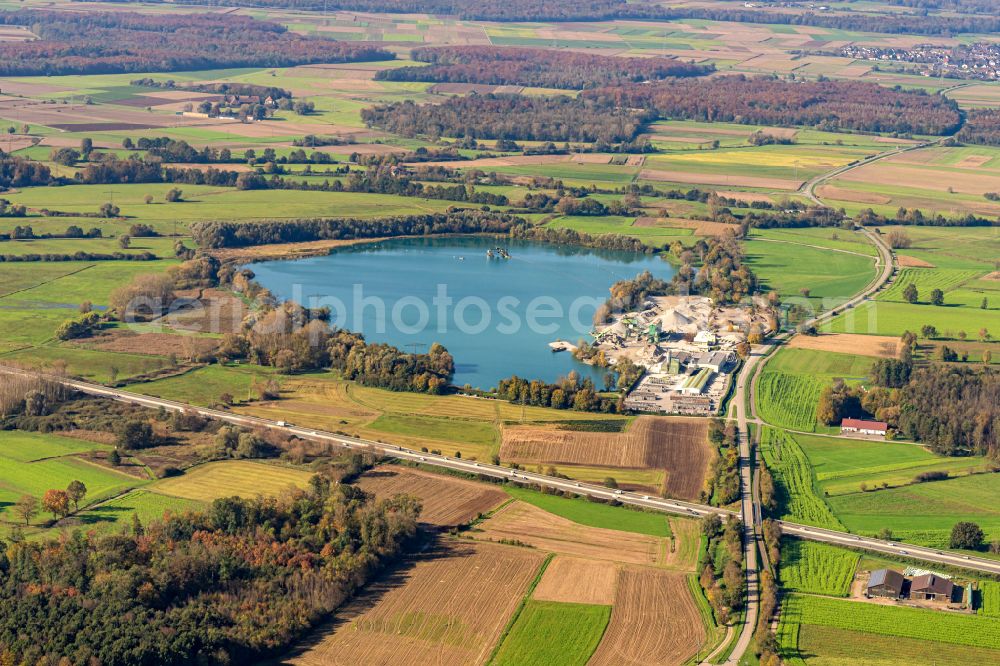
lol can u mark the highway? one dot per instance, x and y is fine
(677, 507)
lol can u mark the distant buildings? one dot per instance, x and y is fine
(860, 426)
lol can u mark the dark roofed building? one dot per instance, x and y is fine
(931, 586)
(885, 583)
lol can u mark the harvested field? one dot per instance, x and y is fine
(87, 117)
(545, 531)
(580, 581)
(745, 197)
(995, 275)
(157, 344)
(728, 180)
(363, 149)
(973, 161)
(677, 445)
(13, 142)
(466, 88)
(856, 196)
(591, 158)
(447, 501)
(449, 607)
(19, 87)
(912, 262)
(883, 346)
(892, 172)
(700, 227)
(654, 621)
(514, 160)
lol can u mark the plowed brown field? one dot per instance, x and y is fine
(883, 346)
(448, 608)
(580, 581)
(446, 501)
(677, 445)
(545, 531)
(654, 622)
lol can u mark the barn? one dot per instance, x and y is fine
(931, 587)
(864, 427)
(885, 583)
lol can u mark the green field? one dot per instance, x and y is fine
(990, 605)
(26, 447)
(798, 498)
(913, 623)
(830, 646)
(551, 632)
(842, 464)
(230, 478)
(790, 384)
(203, 386)
(594, 514)
(453, 433)
(19, 476)
(830, 277)
(925, 513)
(816, 568)
(888, 318)
(148, 506)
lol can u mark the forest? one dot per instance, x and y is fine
(511, 117)
(229, 585)
(601, 10)
(541, 68)
(825, 105)
(982, 127)
(115, 42)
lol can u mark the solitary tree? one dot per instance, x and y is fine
(928, 331)
(910, 293)
(173, 195)
(76, 491)
(937, 297)
(135, 434)
(966, 535)
(26, 507)
(56, 502)
(124, 241)
(114, 457)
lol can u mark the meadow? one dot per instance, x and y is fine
(549, 632)
(816, 568)
(24, 472)
(924, 513)
(788, 268)
(842, 465)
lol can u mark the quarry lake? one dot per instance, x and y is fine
(496, 315)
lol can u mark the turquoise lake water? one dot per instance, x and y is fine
(495, 316)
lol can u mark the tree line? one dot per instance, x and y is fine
(915, 23)
(231, 584)
(221, 233)
(982, 127)
(113, 42)
(825, 105)
(542, 68)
